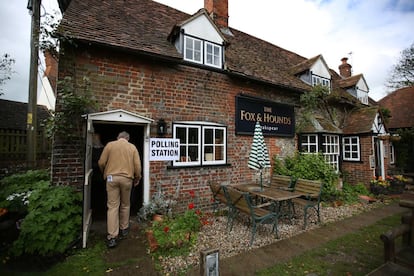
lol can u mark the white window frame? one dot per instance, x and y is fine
(315, 79)
(392, 153)
(330, 150)
(308, 144)
(212, 54)
(351, 147)
(191, 47)
(200, 144)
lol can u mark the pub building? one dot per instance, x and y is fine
(159, 73)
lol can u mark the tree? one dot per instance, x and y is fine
(402, 74)
(6, 71)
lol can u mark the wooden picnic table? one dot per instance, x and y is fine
(270, 195)
(268, 192)
(407, 201)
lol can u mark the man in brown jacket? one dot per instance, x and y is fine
(121, 167)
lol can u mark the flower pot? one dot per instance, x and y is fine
(378, 189)
(152, 242)
(157, 217)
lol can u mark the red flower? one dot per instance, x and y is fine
(166, 229)
(192, 194)
(198, 212)
(191, 206)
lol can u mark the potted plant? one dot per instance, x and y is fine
(378, 186)
(158, 205)
(397, 184)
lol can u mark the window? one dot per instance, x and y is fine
(200, 144)
(362, 95)
(213, 54)
(330, 149)
(193, 49)
(309, 143)
(321, 81)
(202, 52)
(350, 148)
(392, 154)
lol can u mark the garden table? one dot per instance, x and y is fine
(276, 195)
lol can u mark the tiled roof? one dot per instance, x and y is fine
(14, 115)
(360, 120)
(144, 27)
(304, 65)
(349, 82)
(400, 104)
(320, 124)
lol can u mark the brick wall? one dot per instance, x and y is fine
(176, 93)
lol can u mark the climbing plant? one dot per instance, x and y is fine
(315, 100)
(74, 101)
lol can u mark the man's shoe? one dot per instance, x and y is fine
(111, 243)
(124, 232)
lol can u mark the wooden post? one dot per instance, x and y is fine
(34, 6)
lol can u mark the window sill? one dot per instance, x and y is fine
(170, 167)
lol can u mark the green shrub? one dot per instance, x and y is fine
(53, 222)
(312, 167)
(350, 192)
(15, 190)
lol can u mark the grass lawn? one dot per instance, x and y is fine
(354, 254)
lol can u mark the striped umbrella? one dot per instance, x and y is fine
(259, 156)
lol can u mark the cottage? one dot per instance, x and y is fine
(157, 72)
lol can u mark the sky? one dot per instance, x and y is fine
(371, 33)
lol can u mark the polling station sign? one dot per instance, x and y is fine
(164, 149)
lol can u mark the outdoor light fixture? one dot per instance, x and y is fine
(161, 127)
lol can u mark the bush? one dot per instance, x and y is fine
(53, 222)
(312, 167)
(15, 190)
(350, 193)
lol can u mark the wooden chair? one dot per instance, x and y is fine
(283, 182)
(241, 203)
(218, 195)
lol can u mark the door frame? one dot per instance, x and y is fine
(112, 116)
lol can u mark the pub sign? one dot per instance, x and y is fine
(276, 119)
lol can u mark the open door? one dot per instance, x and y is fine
(113, 120)
(87, 210)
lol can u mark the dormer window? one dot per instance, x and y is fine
(362, 95)
(193, 49)
(319, 80)
(202, 51)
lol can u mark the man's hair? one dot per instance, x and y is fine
(124, 135)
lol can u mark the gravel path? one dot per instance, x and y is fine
(216, 235)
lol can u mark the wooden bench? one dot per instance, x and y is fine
(239, 202)
(283, 182)
(218, 195)
(311, 190)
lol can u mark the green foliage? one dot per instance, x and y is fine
(404, 149)
(350, 193)
(312, 167)
(16, 189)
(74, 101)
(402, 75)
(177, 233)
(53, 222)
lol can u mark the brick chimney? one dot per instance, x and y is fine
(345, 69)
(218, 10)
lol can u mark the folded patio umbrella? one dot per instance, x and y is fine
(259, 156)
